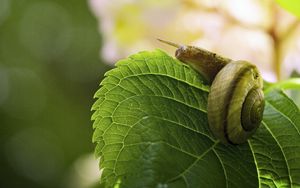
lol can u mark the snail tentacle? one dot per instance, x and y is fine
(235, 101)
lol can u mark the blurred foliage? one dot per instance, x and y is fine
(49, 71)
(291, 6)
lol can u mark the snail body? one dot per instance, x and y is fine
(235, 101)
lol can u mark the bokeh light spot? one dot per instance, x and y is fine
(45, 30)
(84, 172)
(35, 154)
(4, 10)
(27, 94)
(4, 86)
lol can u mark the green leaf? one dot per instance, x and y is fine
(292, 83)
(151, 130)
(293, 6)
(276, 144)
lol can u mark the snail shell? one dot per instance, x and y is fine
(235, 102)
(236, 99)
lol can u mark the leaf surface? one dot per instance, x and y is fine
(276, 144)
(151, 130)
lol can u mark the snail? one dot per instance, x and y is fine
(235, 101)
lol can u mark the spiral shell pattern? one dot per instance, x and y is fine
(236, 102)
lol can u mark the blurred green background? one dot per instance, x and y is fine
(49, 70)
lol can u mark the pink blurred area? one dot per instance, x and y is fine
(255, 30)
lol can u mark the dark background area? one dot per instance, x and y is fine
(49, 70)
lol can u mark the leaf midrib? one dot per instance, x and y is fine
(203, 87)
